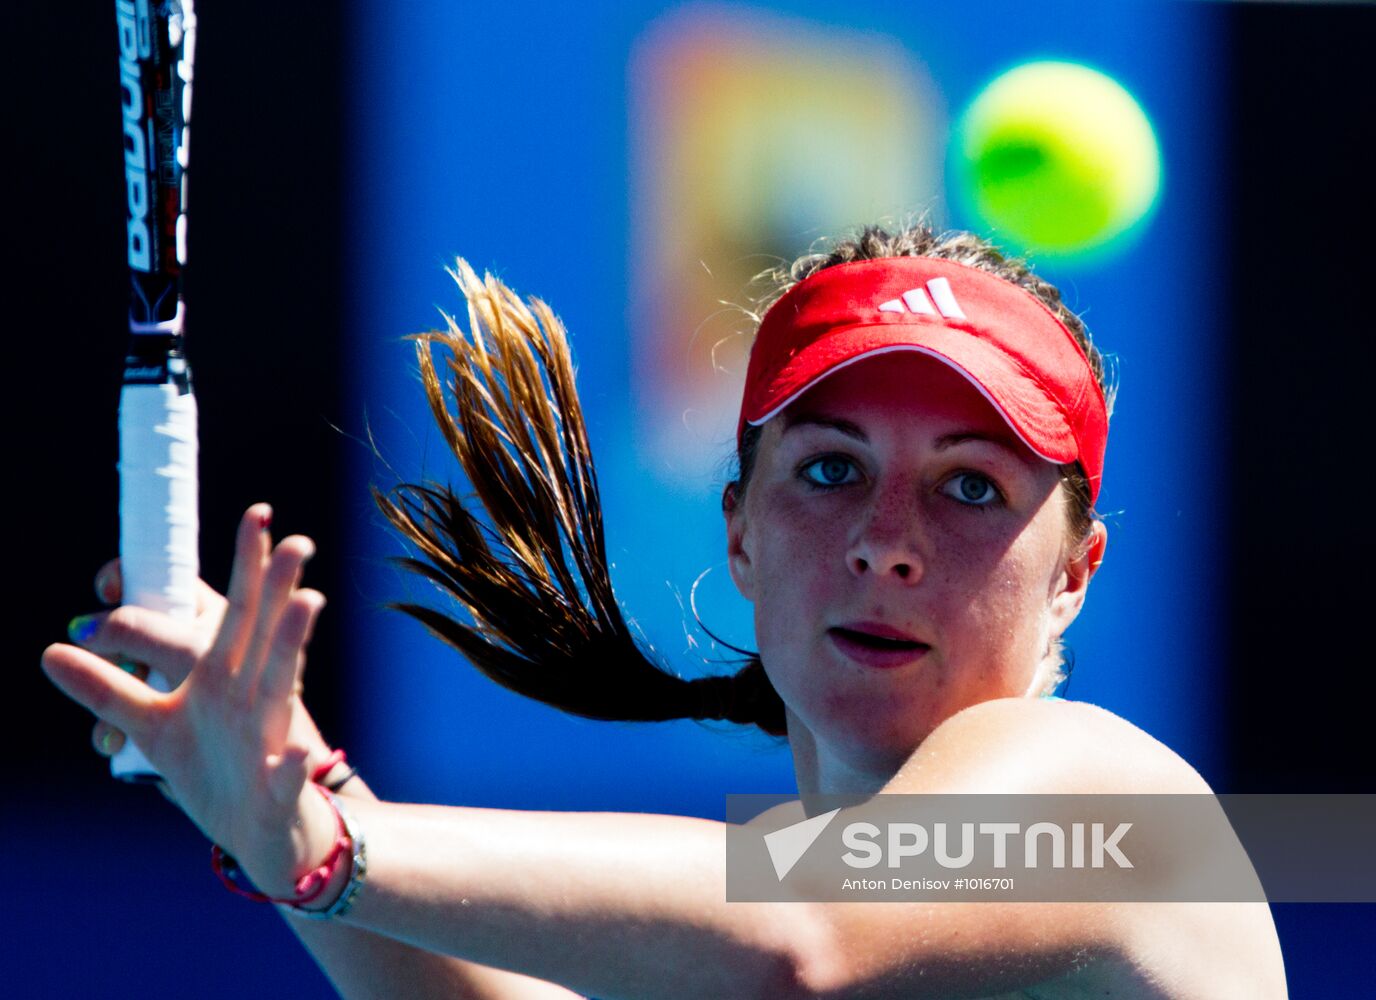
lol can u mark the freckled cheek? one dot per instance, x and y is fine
(1007, 607)
(798, 586)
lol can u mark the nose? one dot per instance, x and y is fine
(888, 543)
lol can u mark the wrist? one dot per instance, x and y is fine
(342, 879)
(332, 770)
(282, 869)
(319, 828)
(322, 844)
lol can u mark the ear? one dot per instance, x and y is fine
(1069, 594)
(738, 558)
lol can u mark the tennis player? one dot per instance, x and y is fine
(921, 443)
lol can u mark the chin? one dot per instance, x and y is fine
(875, 737)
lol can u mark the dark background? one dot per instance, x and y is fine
(1301, 573)
(95, 871)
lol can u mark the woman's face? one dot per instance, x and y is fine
(906, 556)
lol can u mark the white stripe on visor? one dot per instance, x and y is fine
(945, 298)
(918, 302)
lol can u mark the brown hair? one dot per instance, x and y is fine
(531, 575)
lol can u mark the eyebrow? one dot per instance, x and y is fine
(999, 440)
(846, 427)
(854, 430)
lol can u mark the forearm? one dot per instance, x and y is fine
(619, 905)
(364, 964)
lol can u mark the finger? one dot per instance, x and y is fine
(109, 585)
(107, 739)
(245, 585)
(209, 601)
(110, 589)
(283, 575)
(105, 689)
(135, 634)
(286, 654)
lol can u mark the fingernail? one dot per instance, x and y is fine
(82, 627)
(106, 740)
(265, 520)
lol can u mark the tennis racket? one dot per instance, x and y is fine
(158, 519)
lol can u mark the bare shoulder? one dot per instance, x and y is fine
(1028, 746)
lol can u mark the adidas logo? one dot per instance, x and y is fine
(917, 300)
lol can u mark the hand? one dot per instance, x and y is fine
(232, 740)
(135, 636)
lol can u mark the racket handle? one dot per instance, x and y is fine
(158, 518)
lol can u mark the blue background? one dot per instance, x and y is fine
(347, 151)
(514, 154)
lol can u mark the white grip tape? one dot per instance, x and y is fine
(158, 518)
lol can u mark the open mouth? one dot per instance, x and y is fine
(878, 642)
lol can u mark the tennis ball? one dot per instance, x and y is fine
(1058, 159)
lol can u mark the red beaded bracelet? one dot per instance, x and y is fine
(336, 757)
(321, 772)
(309, 886)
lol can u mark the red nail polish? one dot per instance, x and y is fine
(265, 521)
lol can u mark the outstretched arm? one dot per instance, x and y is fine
(635, 905)
(631, 905)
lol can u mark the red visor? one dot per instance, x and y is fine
(1001, 337)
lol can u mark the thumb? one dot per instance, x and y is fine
(287, 775)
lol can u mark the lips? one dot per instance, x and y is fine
(876, 645)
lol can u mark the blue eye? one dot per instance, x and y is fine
(974, 490)
(831, 470)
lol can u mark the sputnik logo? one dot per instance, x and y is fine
(916, 300)
(787, 846)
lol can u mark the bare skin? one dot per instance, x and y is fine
(871, 505)
(360, 963)
(633, 905)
